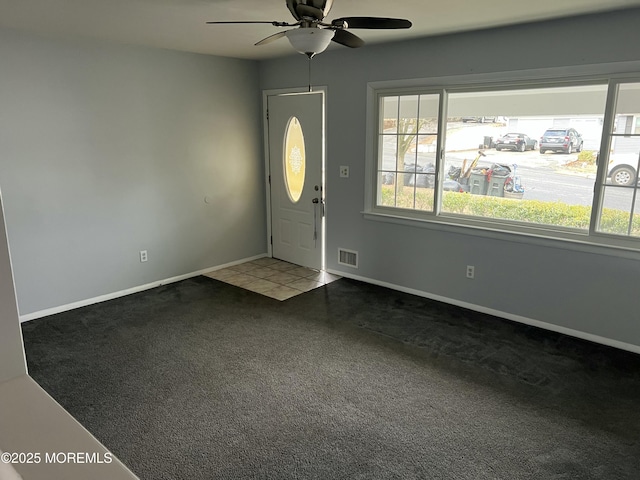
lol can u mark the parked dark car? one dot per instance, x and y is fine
(565, 140)
(516, 141)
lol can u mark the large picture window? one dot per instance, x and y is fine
(620, 207)
(519, 158)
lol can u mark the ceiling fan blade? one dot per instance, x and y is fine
(347, 39)
(327, 7)
(272, 38)
(372, 22)
(239, 21)
(275, 24)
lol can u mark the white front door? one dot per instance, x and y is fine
(296, 151)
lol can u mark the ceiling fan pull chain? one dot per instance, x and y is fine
(309, 74)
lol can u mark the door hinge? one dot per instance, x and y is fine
(269, 179)
(267, 114)
(271, 240)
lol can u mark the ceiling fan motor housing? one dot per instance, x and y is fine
(316, 9)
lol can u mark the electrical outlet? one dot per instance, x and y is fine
(143, 256)
(471, 271)
(344, 171)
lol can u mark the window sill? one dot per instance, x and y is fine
(530, 235)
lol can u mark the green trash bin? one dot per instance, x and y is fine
(478, 183)
(495, 187)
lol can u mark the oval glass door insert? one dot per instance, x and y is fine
(294, 159)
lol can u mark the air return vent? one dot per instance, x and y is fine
(348, 257)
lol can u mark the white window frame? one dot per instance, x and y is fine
(588, 240)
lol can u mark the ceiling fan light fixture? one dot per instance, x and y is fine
(310, 41)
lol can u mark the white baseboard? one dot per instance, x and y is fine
(478, 308)
(129, 291)
(497, 313)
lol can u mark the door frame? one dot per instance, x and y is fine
(267, 160)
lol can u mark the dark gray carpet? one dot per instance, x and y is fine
(203, 380)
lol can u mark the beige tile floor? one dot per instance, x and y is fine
(273, 278)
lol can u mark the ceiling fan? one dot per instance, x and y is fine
(313, 34)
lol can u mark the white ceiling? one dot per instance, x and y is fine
(180, 24)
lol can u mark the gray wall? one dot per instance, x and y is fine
(12, 362)
(549, 282)
(106, 150)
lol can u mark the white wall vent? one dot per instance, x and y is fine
(348, 257)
